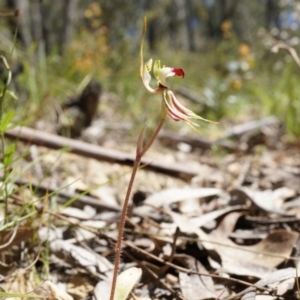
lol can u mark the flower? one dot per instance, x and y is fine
(160, 75)
(171, 106)
(177, 112)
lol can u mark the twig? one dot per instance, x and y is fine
(166, 267)
(289, 49)
(11, 238)
(196, 142)
(11, 13)
(251, 126)
(154, 276)
(185, 270)
(53, 141)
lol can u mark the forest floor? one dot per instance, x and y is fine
(228, 231)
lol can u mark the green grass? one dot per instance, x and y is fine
(236, 96)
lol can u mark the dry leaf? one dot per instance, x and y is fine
(169, 196)
(79, 256)
(257, 260)
(125, 283)
(271, 279)
(194, 286)
(265, 200)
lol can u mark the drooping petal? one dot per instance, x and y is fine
(178, 112)
(178, 116)
(174, 114)
(185, 110)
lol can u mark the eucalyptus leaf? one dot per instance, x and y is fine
(126, 281)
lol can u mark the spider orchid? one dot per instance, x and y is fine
(171, 106)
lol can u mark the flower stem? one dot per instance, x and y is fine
(139, 155)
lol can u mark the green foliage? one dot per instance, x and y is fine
(17, 295)
(9, 155)
(279, 95)
(6, 120)
(217, 75)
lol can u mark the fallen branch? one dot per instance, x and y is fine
(249, 127)
(53, 141)
(289, 49)
(196, 142)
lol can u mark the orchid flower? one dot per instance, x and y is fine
(160, 74)
(171, 106)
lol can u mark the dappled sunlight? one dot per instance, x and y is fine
(97, 162)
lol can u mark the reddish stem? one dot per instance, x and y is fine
(139, 155)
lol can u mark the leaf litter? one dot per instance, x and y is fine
(231, 232)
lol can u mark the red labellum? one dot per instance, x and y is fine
(178, 72)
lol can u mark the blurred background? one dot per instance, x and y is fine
(224, 46)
